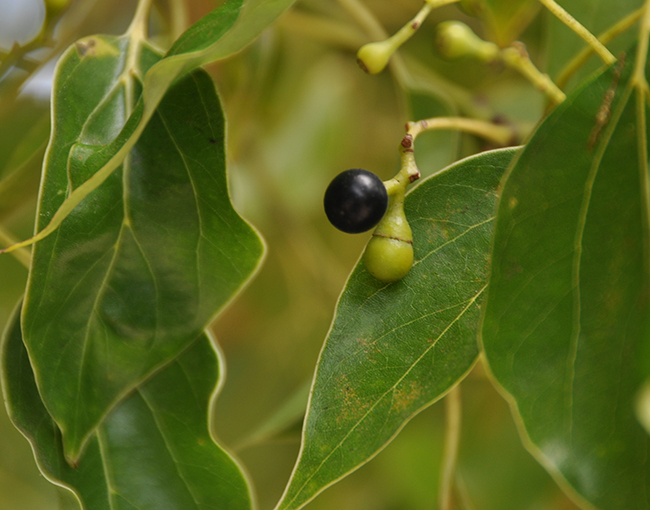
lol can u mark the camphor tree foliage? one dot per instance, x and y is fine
(507, 279)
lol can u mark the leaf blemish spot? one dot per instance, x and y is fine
(605, 109)
(84, 47)
(404, 397)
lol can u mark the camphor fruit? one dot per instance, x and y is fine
(355, 201)
(454, 40)
(389, 254)
(373, 57)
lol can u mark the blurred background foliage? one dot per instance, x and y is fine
(300, 111)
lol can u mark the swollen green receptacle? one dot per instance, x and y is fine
(373, 57)
(388, 260)
(389, 254)
(454, 40)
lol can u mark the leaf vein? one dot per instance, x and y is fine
(582, 221)
(387, 392)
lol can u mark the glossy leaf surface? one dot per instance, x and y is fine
(395, 349)
(225, 31)
(153, 451)
(567, 305)
(139, 269)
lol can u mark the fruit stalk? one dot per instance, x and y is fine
(373, 57)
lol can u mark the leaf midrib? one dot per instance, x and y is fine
(381, 398)
(577, 258)
(126, 79)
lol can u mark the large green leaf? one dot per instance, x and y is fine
(153, 451)
(143, 265)
(567, 306)
(494, 471)
(395, 349)
(225, 31)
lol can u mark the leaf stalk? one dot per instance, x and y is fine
(638, 76)
(501, 135)
(580, 30)
(516, 57)
(642, 91)
(22, 255)
(609, 35)
(453, 417)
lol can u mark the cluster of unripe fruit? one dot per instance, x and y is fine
(453, 40)
(356, 201)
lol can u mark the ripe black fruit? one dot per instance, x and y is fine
(355, 201)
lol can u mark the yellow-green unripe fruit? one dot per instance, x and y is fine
(389, 254)
(373, 57)
(388, 259)
(454, 40)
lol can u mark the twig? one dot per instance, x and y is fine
(501, 135)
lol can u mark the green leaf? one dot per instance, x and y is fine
(222, 33)
(143, 265)
(567, 306)
(494, 470)
(395, 349)
(153, 451)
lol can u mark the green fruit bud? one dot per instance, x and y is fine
(454, 40)
(374, 57)
(388, 259)
(389, 254)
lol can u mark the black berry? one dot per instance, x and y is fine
(355, 201)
